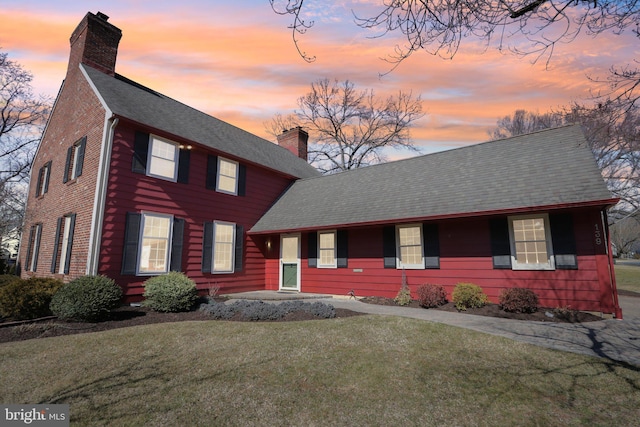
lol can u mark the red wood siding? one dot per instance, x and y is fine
(465, 256)
(134, 192)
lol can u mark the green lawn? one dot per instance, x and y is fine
(628, 277)
(358, 371)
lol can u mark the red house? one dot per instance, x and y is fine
(130, 183)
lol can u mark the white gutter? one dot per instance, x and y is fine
(102, 179)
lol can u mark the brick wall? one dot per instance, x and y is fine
(77, 113)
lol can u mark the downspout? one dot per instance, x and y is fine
(612, 275)
(95, 235)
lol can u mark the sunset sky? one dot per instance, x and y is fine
(236, 61)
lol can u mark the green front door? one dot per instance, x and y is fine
(290, 262)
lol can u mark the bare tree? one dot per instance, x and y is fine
(22, 120)
(535, 27)
(349, 128)
(613, 133)
(625, 234)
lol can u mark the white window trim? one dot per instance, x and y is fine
(74, 163)
(37, 235)
(218, 189)
(143, 218)
(515, 265)
(65, 244)
(334, 264)
(399, 264)
(44, 175)
(233, 248)
(176, 146)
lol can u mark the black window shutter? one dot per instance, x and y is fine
(177, 238)
(343, 248)
(56, 245)
(67, 165)
(36, 248)
(184, 158)
(312, 249)
(212, 171)
(389, 246)
(79, 163)
(140, 152)
(431, 245)
(39, 183)
(500, 245)
(239, 249)
(67, 260)
(207, 247)
(29, 248)
(564, 242)
(131, 243)
(46, 180)
(242, 180)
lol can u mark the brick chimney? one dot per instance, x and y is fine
(94, 42)
(295, 140)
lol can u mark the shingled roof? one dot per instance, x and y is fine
(551, 168)
(130, 100)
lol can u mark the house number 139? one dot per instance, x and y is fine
(598, 235)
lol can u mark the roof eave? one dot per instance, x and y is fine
(510, 211)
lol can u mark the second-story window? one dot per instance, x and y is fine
(42, 186)
(75, 160)
(163, 159)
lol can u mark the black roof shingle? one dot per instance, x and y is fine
(548, 168)
(128, 99)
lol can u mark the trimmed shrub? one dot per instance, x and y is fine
(5, 279)
(468, 295)
(171, 292)
(518, 300)
(259, 310)
(86, 299)
(431, 296)
(27, 299)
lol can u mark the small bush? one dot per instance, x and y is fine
(170, 292)
(27, 299)
(468, 295)
(431, 296)
(518, 300)
(86, 299)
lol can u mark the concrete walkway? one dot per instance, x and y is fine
(612, 339)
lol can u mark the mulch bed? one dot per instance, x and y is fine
(121, 318)
(493, 310)
(133, 316)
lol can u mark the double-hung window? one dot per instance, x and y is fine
(227, 181)
(155, 239)
(63, 244)
(530, 239)
(42, 186)
(75, 160)
(410, 252)
(327, 249)
(163, 159)
(223, 247)
(33, 247)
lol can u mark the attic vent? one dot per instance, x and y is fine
(102, 16)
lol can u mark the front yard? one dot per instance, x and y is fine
(364, 370)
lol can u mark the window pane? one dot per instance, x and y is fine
(226, 183)
(530, 241)
(290, 249)
(223, 247)
(154, 250)
(228, 168)
(326, 240)
(163, 150)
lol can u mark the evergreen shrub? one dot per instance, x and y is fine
(171, 292)
(86, 299)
